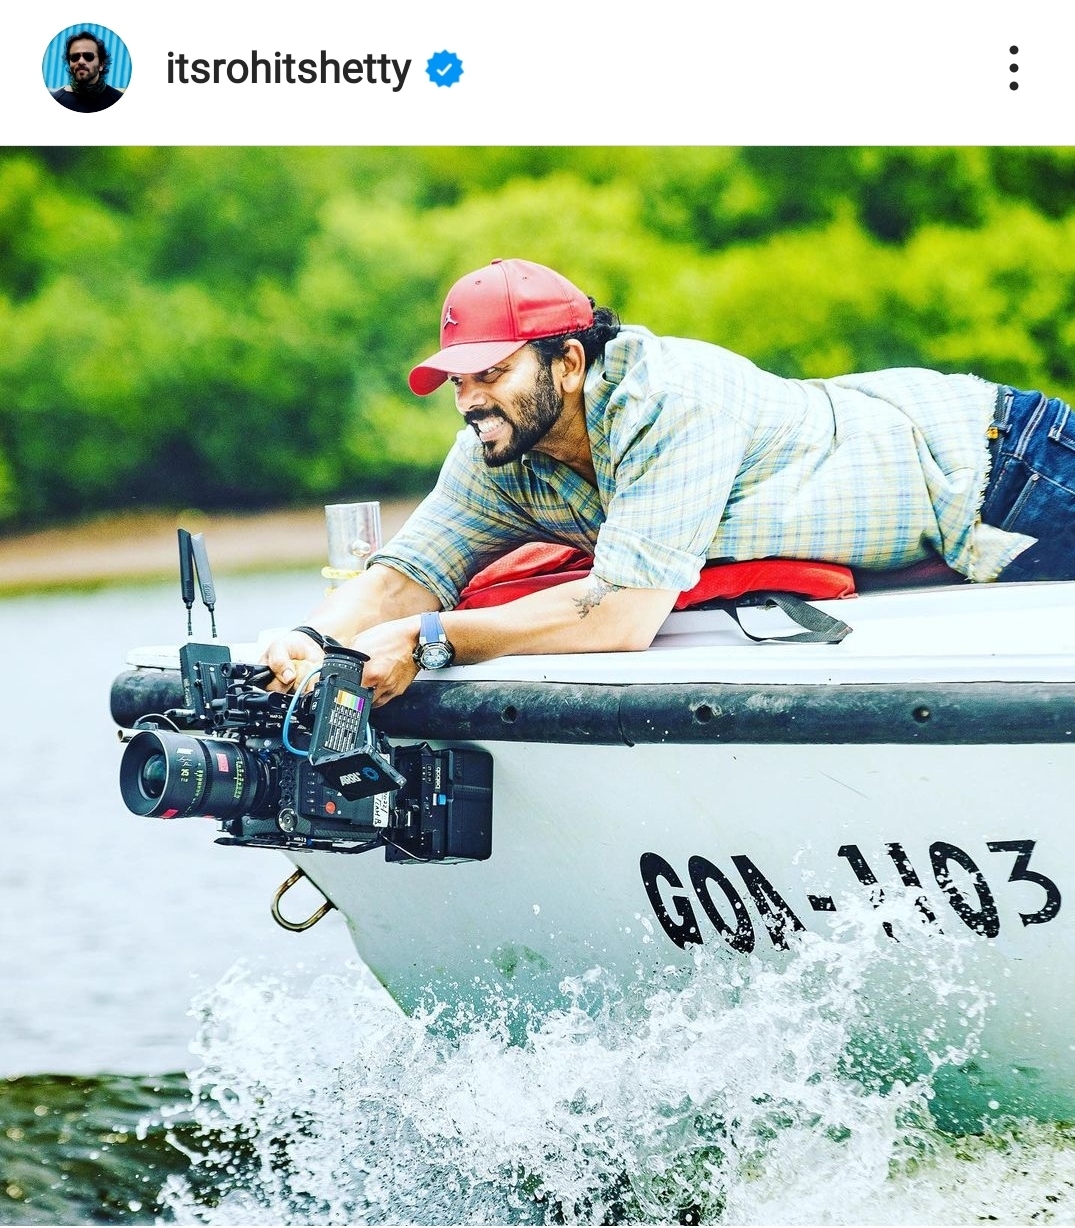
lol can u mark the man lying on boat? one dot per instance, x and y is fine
(658, 454)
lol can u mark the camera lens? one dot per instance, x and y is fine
(153, 775)
(168, 775)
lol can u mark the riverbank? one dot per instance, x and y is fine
(139, 547)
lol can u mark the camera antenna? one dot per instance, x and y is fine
(186, 577)
(194, 560)
(205, 578)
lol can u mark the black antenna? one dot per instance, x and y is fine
(186, 576)
(205, 578)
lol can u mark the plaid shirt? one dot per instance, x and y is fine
(701, 455)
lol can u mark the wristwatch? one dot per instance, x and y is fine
(433, 651)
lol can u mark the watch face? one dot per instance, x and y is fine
(435, 656)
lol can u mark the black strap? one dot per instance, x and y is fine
(322, 641)
(821, 628)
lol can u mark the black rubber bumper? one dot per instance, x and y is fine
(973, 713)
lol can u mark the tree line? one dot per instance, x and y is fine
(232, 328)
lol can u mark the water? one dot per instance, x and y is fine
(171, 1055)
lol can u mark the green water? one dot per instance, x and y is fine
(89, 1150)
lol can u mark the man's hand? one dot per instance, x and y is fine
(369, 605)
(391, 667)
(291, 657)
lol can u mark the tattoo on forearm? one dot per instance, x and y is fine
(595, 593)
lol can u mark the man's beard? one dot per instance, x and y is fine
(87, 86)
(534, 416)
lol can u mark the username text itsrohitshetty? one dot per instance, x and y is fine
(287, 69)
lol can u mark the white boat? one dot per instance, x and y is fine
(719, 796)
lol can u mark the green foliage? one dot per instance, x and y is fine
(234, 327)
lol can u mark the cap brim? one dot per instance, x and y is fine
(466, 359)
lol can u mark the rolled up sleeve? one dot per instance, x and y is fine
(673, 457)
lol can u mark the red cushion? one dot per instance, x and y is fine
(540, 565)
(802, 577)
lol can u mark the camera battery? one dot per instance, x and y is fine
(447, 805)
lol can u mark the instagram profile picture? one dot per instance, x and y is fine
(87, 67)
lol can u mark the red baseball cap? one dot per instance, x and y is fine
(489, 314)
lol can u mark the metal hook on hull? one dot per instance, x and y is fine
(297, 927)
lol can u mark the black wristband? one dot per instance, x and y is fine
(322, 641)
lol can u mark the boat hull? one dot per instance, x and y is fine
(634, 859)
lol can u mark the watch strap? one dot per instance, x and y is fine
(431, 628)
(431, 631)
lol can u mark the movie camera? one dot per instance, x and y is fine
(305, 771)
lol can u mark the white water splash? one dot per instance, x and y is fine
(741, 1093)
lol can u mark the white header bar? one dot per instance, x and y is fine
(831, 72)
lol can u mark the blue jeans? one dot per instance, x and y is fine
(1032, 483)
